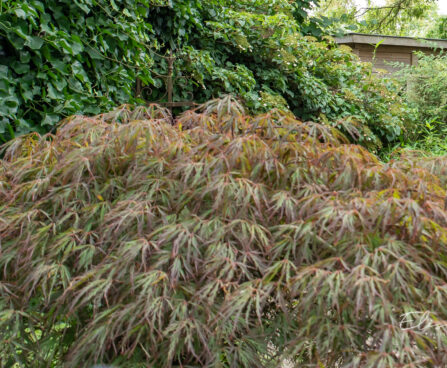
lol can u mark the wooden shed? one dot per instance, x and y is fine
(390, 49)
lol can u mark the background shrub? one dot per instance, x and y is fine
(226, 240)
(424, 87)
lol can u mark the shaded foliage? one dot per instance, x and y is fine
(58, 58)
(259, 51)
(224, 240)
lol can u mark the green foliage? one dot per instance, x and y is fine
(256, 50)
(438, 28)
(69, 57)
(373, 112)
(426, 84)
(431, 140)
(398, 17)
(225, 240)
(390, 17)
(58, 58)
(425, 88)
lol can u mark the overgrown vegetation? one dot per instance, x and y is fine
(64, 57)
(224, 240)
(424, 87)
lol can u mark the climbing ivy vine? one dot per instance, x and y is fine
(64, 57)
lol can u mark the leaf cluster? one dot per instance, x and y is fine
(224, 240)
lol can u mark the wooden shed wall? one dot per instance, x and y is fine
(386, 54)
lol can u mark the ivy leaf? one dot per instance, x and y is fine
(20, 68)
(53, 93)
(60, 66)
(9, 105)
(65, 45)
(77, 47)
(84, 7)
(3, 71)
(34, 42)
(60, 84)
(38, 5)
(50, 119)
(20, 13)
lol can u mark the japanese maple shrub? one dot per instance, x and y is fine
(222, 240)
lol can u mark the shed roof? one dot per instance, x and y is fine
(372, 39)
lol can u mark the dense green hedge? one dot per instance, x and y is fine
(65, 57)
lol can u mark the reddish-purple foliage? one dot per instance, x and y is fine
(223, 241)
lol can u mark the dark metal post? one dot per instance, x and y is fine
(138, 88)
(169, 80)
(169, 84)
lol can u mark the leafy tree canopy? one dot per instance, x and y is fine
(438, 28)
(389, 17)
